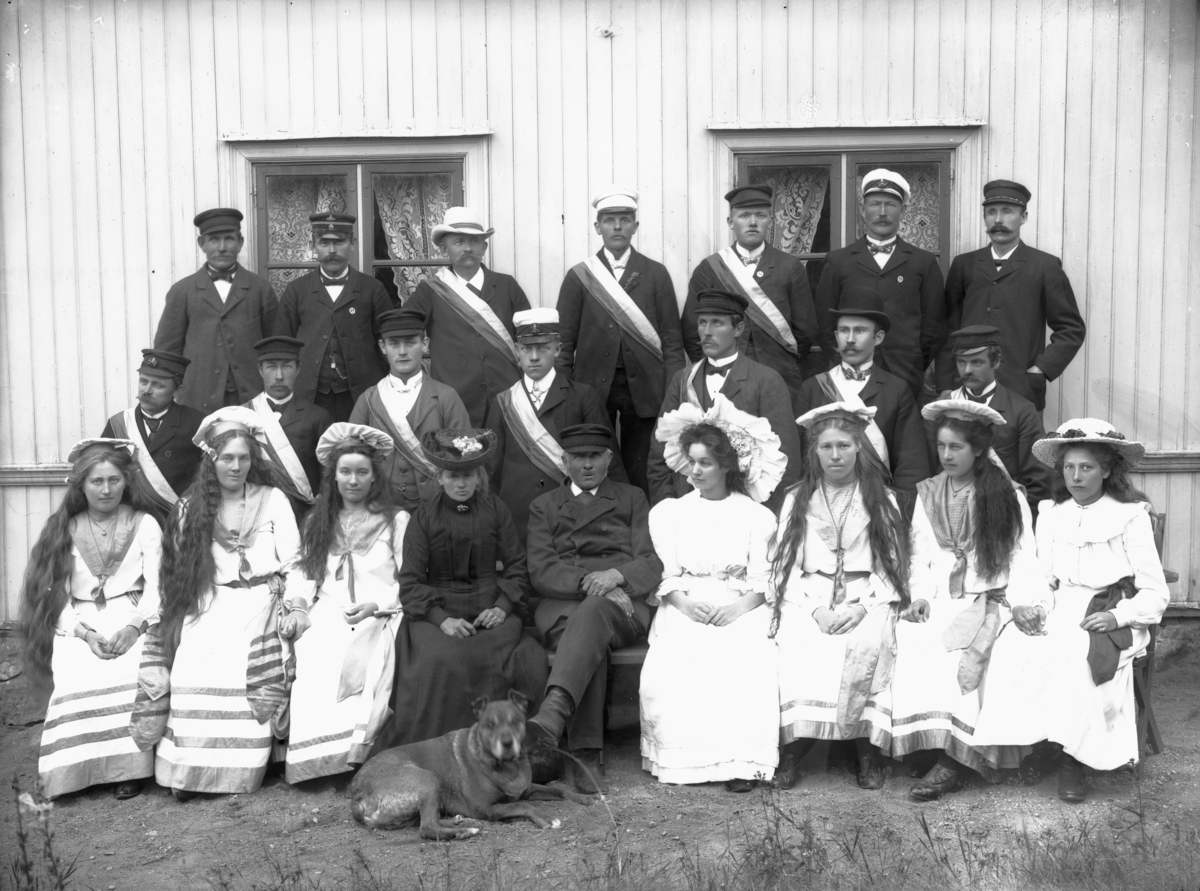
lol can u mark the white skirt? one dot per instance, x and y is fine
(86, 739)
(710, 695)
(1041, 688)
(213, 742)
(929, 709)
(814, 681)
(327, 736)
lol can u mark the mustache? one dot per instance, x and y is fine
(999, 229)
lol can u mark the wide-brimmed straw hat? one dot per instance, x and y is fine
(460, 221)
(459, 449)
(1085, 430)
(341, 433)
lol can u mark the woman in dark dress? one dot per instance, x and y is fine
(461, 637)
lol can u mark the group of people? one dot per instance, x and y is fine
(412, 505)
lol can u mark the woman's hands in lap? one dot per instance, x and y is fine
(294, 625)
(832, 621)
(357, 612)
(1101, 622)
(918, 611)
(457, 627)
(1030, 619)
(120, 642)
(490, 618)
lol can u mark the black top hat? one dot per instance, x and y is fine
(585, 437)
(716, 300)
(860, 300)
(459, 449)
(278, 347)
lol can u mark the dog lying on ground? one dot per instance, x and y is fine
(480, 772)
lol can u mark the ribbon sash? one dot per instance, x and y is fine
(280, 449)
(876, 445)
(271, 666)
(354, 664)
(735, 276)
(530, 433)
(690, 392)
(1104, 647)
(474, 311)
(151, 479)
(152, 703)
(974, 631)
(401, 433)
(603, 286)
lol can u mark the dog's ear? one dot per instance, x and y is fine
(478, 705)
(518, 700)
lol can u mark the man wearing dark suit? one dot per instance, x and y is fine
(751, 387)
(406, 405)
(335, 310)
(779, 332)
(215, 315)
(162, 429)
(620, 329)
(908, 278)
(292, 425)
(895, 438)
(528, 417)
(593, 563)
(468, 312)
(977, 353)
(1019, 290)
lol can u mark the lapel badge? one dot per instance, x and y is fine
(758, 274)
(352, 310)
(899, 278)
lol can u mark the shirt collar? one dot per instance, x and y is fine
(865, 368)
(414, 383)
(575, 490)
(996, 256)
(476, 279)
(753, 255)
(874, 240)
(232, 271)
(543, 385)
(284, 401)
(154, 417)
(623, 260)
(345, 276)
(721, 363)
(987, 391)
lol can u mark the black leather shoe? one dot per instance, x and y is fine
(870, 771)
(787, 774)
(589, 777)
(546, 727)
(739, 786)
(128, 789)
(938, 782)
(1072, 786)
(183, 794)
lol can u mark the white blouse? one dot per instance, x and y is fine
(276, 547)
(137, 572)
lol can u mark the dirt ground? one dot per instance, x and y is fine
(154, 842)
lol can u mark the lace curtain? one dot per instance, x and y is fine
(921, 222)
(407, 208)
(800, 195)
(290, 202)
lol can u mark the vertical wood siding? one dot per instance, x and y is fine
(112, 115)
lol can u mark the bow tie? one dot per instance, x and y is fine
(719, 371)
(226, 276)
(749, 261)
(276, 407)
(334, 282)
(982, 400)
(854, 374)
(881, 248)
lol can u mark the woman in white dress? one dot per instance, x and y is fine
(228, 617)
(90, 592)
(351, 553)
(973, 548)
(840, 572)
(1065, 672)
(709, 695)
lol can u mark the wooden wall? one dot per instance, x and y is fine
(113, 114)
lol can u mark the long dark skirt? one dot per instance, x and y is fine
(439, 676)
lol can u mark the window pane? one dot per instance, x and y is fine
(923, 218)
(279, 278)
(801, 207)
(407, 207)
(290, 202)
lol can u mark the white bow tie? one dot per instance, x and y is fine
(405, 388)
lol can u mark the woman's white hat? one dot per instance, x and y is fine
(1080, 430)
(341, 433)
(964, 410)
(863, 414)
(84, 446)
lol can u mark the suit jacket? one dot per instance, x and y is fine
(437, 407)
(911, 285)
(898, 419)
(459, 355)
(308, 312)
(785, 280)
(1013, 444)
(1029, 293)
(755, 389)
(303, 423)
(592, 359)
(514, 477)
(569, 539)
(218, 337)
(171, 447)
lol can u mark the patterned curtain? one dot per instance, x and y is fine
(800, 194)
(290, 202)
(922, 221)
(408, 207)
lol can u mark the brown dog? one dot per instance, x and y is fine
(480, 771)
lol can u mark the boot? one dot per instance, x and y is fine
(787, 774)
(546, 727)
(1072, 786)
(945, 776)
(870, 771)
(589, 777)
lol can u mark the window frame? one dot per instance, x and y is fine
(945, 159)
(835, 161)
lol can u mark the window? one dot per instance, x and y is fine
(397, 204)
(817, 207)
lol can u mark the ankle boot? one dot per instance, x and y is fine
(546, 727)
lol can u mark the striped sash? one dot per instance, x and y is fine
(474, 311)
(401, 432)
(530, 433)
(737, 277)
(603, 286)
(151, 480)
(282, 454)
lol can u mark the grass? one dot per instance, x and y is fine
(36, 865)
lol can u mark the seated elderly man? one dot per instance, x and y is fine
(593, 563)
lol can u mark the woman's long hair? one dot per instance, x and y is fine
(321, 524)
(714, 439)
(887, 529)
(187, 561)
(998, 524)
(44, 592)
(1118, 484)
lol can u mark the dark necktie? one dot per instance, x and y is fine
(854, 374)
(334, 282)
(152, 424)
(226, 276)
(982, 400)
(584, 497)
(881, 248)
(719, 371)
(276, 407)
(474, 290)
